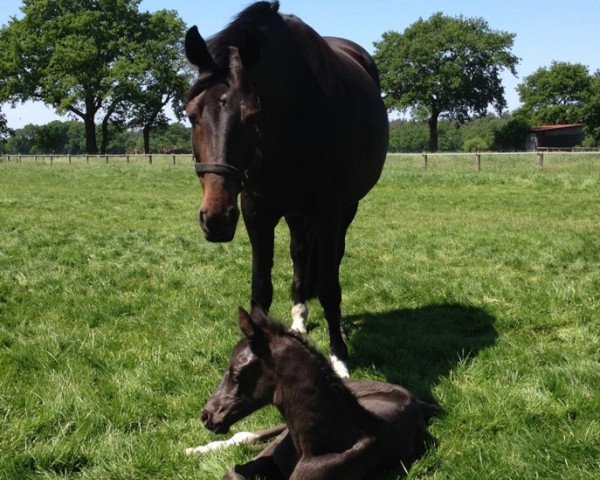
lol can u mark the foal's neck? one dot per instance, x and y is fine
(319, 410)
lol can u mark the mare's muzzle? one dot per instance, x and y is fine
(218, 219)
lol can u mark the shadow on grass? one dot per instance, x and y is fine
(417, 347)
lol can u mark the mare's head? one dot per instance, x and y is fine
(249, 381)
(222, 108)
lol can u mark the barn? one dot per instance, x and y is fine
(554, 136)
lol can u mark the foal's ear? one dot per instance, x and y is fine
(259, 316)
(248, 327)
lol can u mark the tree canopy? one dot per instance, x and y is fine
(4, 130)
(82, 57)
(446, 66)
(556, 94)
(562, 93)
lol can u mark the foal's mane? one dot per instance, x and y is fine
(328, 376)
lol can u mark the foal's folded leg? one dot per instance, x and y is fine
(267, 464)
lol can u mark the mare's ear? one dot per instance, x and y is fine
(197, 52)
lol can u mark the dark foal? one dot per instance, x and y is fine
(336, 429)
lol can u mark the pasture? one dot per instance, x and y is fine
(480, 290)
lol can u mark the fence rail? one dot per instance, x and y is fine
(107, 158)
(539, 158)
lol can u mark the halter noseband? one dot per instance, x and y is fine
(222, 169)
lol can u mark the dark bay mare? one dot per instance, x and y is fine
(295, 122)
(336, 428)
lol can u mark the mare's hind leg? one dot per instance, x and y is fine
(303, 262)
(339, 357)
(330, 229)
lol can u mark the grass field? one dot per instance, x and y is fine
(480, 290)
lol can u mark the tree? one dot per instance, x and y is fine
(157, 73)
(4, 130)
(70, 54)
(591, 112)
(555, 95)
(445, 66)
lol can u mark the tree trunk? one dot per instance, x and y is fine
(91, 146)
(146, 133)
(104, 141)
(433, 132)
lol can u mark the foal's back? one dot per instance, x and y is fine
(401, 411)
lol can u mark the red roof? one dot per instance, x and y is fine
(547, 128)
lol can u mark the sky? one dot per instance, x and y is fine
(546, 30)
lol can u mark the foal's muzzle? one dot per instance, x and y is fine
(211, 422)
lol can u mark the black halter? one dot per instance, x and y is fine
(222, 169)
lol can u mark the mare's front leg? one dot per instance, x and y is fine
(260, 224)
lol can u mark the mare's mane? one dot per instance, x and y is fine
(243, 32)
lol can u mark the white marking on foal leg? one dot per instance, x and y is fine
(237, 439)
(299, 316)
(339, 367)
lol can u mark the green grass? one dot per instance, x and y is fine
(480, 290)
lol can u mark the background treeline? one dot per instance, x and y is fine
(489, 133)
(69, 138)
(484, 134)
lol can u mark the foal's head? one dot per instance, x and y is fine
(249, 381)
(222, 108)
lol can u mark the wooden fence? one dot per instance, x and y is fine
(537, 158)
(122, 158)
(477, 160)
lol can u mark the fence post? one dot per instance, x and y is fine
(69, 159)
(540, 160)
(87, 158)
(51, 159)
(173, 159)
(149, 159)
(424, 162)
(478, 162)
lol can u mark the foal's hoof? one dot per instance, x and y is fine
(339, 366)
(231, 475)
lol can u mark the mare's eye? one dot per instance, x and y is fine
(223, 100)
(192, 118)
